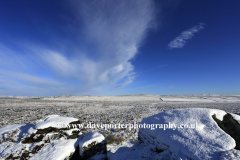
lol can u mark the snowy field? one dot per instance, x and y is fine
(22, 110)
(106, 110)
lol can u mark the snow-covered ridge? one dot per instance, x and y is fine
(15, 97)
(106, 98)
(190, 98)
(138, 97)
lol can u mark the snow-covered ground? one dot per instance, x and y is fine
(56, 150)
(101, 110)
(137, 98)
(118, 109)
(106, 98)
(54, 121)
(202, 99)
(204, 140)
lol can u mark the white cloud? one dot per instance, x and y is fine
(27, 78)
(112, 30)
(180, 40)
(117, 27)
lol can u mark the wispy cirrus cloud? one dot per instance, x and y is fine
(116, 28)
(109, 35)
(180, 41)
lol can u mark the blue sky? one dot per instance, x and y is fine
(115, 47)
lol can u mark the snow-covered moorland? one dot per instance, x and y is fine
(45, 126)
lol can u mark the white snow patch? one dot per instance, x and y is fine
(200, 99)
(55, 121)
(3, 146)
(107, 98)
(186, 100)
(130, 151)
(236, 117)
(15, 149)
(126, 153)
(31, 130)
(230, 155)
(114, 147)
(57, 150)
(197, 143)
(10, 128)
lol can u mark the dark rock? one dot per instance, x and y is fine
(75, 122)
(33, 138)
(75, 155)
(231, 127)
(75, 134)
(48, 130)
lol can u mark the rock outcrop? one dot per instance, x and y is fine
(189, 132)
(196, 134)
(49, 138)
(92, 145)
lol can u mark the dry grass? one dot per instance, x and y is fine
(119, 140)
(110, 139)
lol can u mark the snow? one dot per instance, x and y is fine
(3, 146)
(10, 128)
(125, 110)
(31, 130)
(186, 100)
(139, 151)
(107, 98)
(89, 138)
(114, 147)
(126, 151)
(230, 155)
(58, 150)
(98, 157)
(14, 97)
(201, 99)
(55, 121)
(236, 117)
(204, 142)
(165, 155)
(14, 149)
